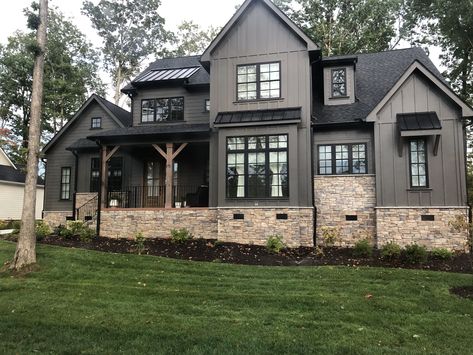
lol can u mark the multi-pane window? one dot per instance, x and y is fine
(418, 162)
(257, 167)
(162, 110)
(96, 122)
(114, 174)
(207, 105)
(339, 82)
(65, 192)
(338, 159)
(259, 81)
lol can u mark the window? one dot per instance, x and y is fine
(339, 159)
(96, 122)
(114, 174)
(162, 110)
(418, 163)
(257, 167)
(339, 82)
(258, 81)
(207, 105)
(65, 183)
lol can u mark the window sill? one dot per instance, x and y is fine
(277, 99)
(95, 128)
(161, 122)
(342, 175)
(419, 189)
(339, 97)
(256, 199)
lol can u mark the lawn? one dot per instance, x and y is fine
(89, 302)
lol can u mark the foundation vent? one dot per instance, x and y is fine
(351, 217)
(427, 217)
(238, 216)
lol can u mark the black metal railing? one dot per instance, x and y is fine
(88, 210)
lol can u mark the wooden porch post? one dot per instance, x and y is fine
(169, 155)
(105, 156)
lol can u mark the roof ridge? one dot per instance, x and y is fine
(379, 52)
(111, 103)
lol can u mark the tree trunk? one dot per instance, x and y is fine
(118, 82)
(26, 247)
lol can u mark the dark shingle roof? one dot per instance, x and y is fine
(257, 116)
(81, 144)
(9, 173)
(123, 115)
(376, 74)
(200, 77)
(418, 121)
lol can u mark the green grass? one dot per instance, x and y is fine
(88, 302)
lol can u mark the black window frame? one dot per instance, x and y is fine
(246, 151)
(207, 105)
(332, 84)
(411, 163)
(169, 107)
(63, 183)
(94, 119)
(94, 182)
(258, 82)
(333, 159)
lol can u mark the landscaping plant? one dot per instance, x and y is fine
(390, 251)
(330, 235)
(140, 243)
(415, 253)
(275, 244)
(363, 249)
(442, 254)
(180, 235)
(42, 230)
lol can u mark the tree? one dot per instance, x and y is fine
(351, 26)
(190, 39)
(131, 31)
(25, 253)
(71, 73)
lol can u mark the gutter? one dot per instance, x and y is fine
(76, 175)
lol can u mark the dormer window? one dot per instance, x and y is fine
(339, 82)
(259, 81)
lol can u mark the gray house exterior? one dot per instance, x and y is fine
(261, 136)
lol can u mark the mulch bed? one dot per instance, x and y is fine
(463, 291)
(213, 251)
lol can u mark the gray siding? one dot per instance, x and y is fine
(446, 171)
(58, 157)
(194, 102)
(260, 36)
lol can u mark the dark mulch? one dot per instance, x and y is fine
(214, 251)
(463, 291)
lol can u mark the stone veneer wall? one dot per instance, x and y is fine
(258, 224)
(337, 196)
(404, 226)
(83, 197)
(56, 218)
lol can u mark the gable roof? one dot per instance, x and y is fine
(119, 115)
(311, 46)
(2, 152)
(376, 75)
(11, 174)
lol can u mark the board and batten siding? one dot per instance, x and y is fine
(11, 195)
(58, 157)
(194, 102)
(260, 36)
(446, 170)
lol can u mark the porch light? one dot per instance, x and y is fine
(113, 202)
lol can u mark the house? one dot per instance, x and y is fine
(260, 136)
(12, 185)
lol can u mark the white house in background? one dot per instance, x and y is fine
(12, 185)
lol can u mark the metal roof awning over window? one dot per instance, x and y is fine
(167, 74)
(258, 116)
(419, 124)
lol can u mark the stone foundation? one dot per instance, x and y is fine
(83, 197)
(294, 225)
(405, 225)
(340, 199)
(56, 218)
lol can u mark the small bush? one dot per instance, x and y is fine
(76, 228)
(140, 243)
(415, 254)
(390, 251)
(180, 235)
(275, 244)
(363, 249)
(42, 230)
(442, 254)
(63, 232)
(330, 235)
(3, 225)
(14, 225)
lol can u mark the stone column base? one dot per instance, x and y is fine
(56, 218)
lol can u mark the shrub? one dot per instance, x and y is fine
(390, 251)
(363, 249)
(330, 235)
(140, 243)
(14, 225)
(63, 232)
(76, 228)
(415, 254)
(275, 244)
(3, 225)
(442, 254)
(42, 230)
(180, 235)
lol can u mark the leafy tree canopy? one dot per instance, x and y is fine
(191, 39)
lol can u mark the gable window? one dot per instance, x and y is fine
(257, 167)
(65, 192)
(339, 159)
(339, 82)
(162, 110)
(418, 163)
(96, 122)
(207, 105)
(114, 174)
(259, 81)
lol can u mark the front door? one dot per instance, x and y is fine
(154, 189)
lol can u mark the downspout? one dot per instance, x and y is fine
(99, 198)
(76, 175)
(314, 236)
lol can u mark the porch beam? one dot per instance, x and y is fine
(179, 150)
(103, 177)
(160, 151)
(112, 152)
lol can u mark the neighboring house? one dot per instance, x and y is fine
(260, 136)
(12, 185)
